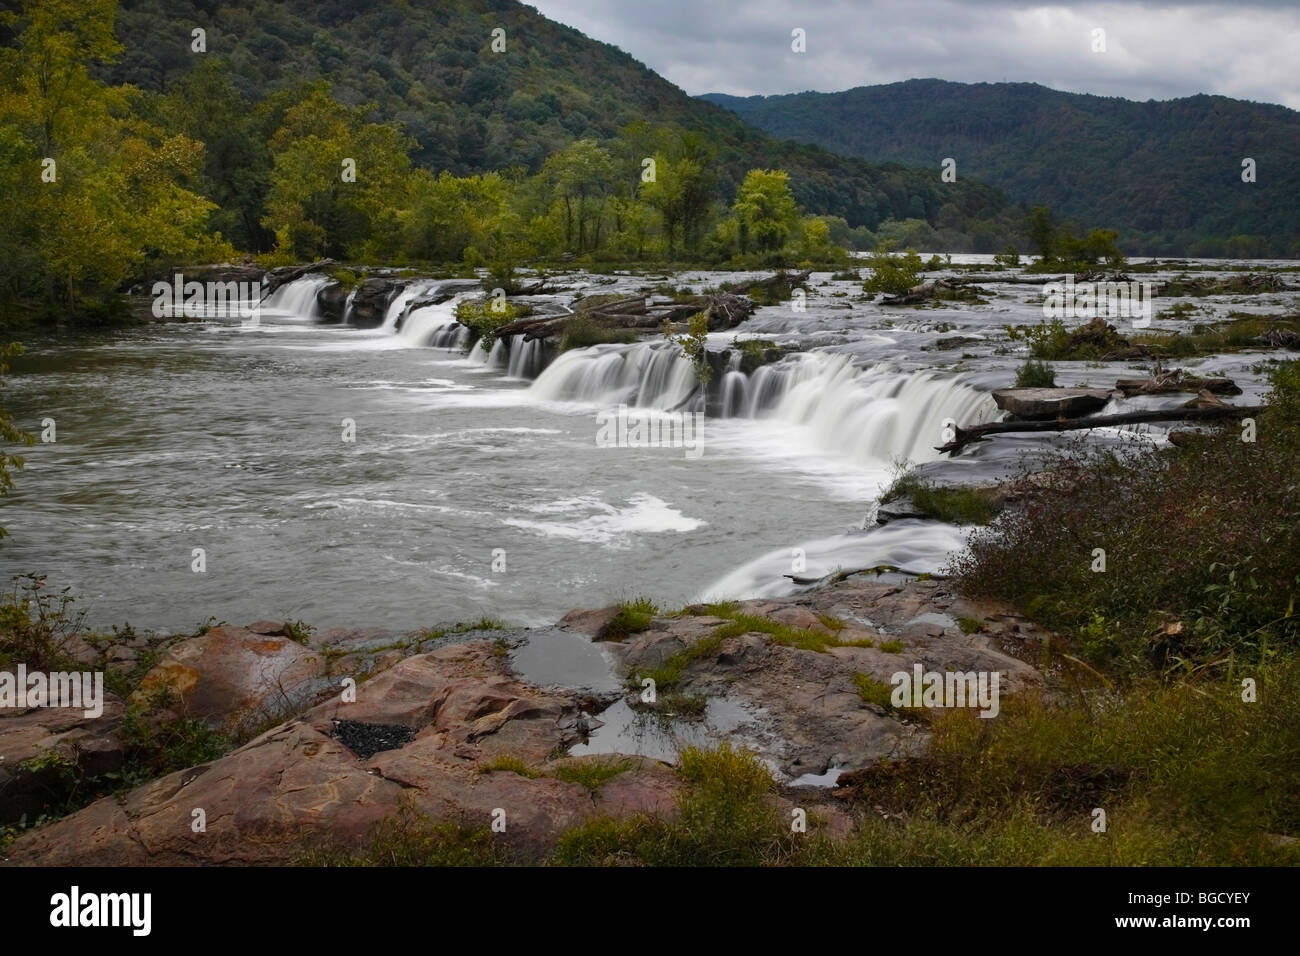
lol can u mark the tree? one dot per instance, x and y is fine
(765, 210)
(96, 192)
(335, 175)
(1041, 231)
(581, 177)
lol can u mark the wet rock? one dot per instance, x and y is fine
(332, 301)
(370, 304)
(593, 623)
(1042, 403)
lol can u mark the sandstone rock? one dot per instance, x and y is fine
(1038, 403)
(231, 676)
(92, 745)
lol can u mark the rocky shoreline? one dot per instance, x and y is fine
(344, 729)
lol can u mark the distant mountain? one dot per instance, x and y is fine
(1168, 170)
(429, 64)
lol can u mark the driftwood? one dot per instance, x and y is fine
(787, 279)
(964, 436)
(1175, 381)
(835, 577)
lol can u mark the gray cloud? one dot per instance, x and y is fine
(1154, 50)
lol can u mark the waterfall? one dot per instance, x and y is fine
(297, 298)
(497, 357)
(526, 358)
(653, 375)
(735, 394)
(428, 322)
(347, 306)
(871, 415)
(397, 308)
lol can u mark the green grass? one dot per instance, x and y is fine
(1207, 339)
(508, 763)
(969, 625)
(671, 671)
(633, 617)
(725, 817)
(413, 839)
(891, 647)
(873, 691)
(957, 504)
(592, 773)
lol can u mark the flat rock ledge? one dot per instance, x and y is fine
(447, 731)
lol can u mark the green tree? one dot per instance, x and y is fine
(765, 210)
(336, 177)
(97, 193)
(581, 177)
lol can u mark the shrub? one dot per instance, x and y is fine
(1035, 374)
(892, 275)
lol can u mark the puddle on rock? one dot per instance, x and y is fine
(946, 621)
(647, 733)
(550, 657)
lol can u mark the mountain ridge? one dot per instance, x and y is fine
(1166, 170)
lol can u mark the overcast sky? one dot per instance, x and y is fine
(1154, 50)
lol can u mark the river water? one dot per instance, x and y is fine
(471, 491)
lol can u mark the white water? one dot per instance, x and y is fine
(297, 298)
(871, 416)
(397, 308)
(647, 375)
(918, 546)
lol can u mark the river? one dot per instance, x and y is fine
(471, 491)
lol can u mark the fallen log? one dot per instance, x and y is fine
(964, 436)
(1158, 385)
(835, 577)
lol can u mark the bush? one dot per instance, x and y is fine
(892, 275)
(36, 625)
(484, 316)
(1201, 549)
(1035, 374)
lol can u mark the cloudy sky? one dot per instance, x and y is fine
(1154, 50)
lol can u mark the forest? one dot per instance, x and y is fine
(1170, 174)
(131, 141)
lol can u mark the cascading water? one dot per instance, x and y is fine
(397, 308)
(872, 416)
(649, 375)
(297, 298)
(527, 359)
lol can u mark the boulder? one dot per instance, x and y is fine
(91, 745)
(232, 676)
(370, 304)
(332, 301)
(1040, 403)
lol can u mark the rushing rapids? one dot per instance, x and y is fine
(477, 481)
